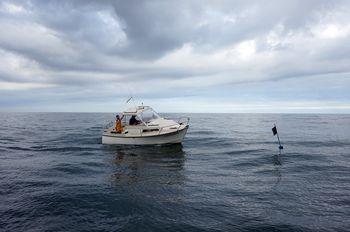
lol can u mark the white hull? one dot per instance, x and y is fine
(164, 138)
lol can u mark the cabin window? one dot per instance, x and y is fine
(150, 130)
(149, 115)
(126, 120)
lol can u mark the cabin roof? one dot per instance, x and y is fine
(136, 110)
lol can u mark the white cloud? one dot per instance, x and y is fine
(205, 105)
(331, 31)
(13, 8)
(17, 67)
(246, 49)
(23, 86)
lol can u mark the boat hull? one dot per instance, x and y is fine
(169, 138)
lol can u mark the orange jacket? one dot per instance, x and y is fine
(118, 126)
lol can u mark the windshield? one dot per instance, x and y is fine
(149, 115)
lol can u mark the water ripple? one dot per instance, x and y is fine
(227, 175)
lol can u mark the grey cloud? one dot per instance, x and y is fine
(92, 46)
(154, 28)
(157, 27)
(151, 29)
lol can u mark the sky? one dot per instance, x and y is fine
(273, 56)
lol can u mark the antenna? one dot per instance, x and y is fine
(131, 96)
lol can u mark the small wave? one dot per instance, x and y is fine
(318, 143)
(246, 151)
(265, 226)
(201, 132)
(19, 148)
(71, 169)
(93, 164)
(62, 149)
(7, 139)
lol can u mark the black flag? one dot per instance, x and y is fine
(274, 130)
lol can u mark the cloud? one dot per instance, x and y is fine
(93, 51)
(20, 86)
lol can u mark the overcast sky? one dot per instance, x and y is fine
(177, 56)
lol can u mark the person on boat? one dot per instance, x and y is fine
(118, 124)
(133, 121)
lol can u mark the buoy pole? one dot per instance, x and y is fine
(275, 132)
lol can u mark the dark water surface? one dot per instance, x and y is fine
(55, 175)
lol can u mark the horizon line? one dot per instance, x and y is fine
(109, 112)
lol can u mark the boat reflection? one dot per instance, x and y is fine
(154, 164)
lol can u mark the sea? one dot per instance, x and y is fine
(228, 175)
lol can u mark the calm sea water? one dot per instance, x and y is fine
(55, 175)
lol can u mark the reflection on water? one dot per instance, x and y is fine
(277, 160)
(162, 164)
(278, 174)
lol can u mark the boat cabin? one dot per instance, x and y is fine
(146, 121)
(143, 114)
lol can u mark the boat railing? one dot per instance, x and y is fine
(180, 121)
(183, 120)
(160, 129)
(109, 125)
(141, 132)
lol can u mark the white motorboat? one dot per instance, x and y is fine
(149, 129)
